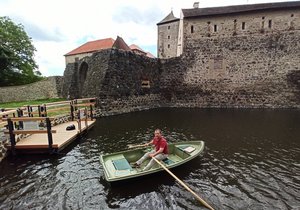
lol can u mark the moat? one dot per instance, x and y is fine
(251, 161)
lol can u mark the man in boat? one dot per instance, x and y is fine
(160, 152)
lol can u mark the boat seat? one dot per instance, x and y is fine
(168, 161)
(121, 164)
(186, 148)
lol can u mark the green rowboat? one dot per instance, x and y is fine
(117, 166)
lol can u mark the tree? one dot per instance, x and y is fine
(17, 65)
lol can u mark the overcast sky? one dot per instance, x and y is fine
(59, 26)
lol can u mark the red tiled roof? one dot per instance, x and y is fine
(150, 55)
(135, 47)
(121, 44)
(93, 46)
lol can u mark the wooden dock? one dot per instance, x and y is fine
(38, 142)
(36, 134)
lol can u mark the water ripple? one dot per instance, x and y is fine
(251, 161)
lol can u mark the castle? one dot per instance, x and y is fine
(244, 56)
(219, 22)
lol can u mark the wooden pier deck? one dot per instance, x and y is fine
(61, 138)
(38, 143)
(31, 134)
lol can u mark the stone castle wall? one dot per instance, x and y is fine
(116, 78)
(259, 71)
(241, 71)
(50, 87)
(241, 24)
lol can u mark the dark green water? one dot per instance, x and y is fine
(251, 161)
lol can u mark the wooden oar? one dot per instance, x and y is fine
(130, 146)
(184, 185)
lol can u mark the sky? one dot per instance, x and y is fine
(58, 26)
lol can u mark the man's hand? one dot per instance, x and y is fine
(152, 155)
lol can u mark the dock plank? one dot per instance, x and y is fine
(61, 138)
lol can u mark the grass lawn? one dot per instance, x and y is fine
(35, 102)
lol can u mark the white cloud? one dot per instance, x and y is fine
(59, 26)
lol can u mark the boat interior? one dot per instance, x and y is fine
(123, 160)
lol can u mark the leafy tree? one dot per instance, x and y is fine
(17, 65)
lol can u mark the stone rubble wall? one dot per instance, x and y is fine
(50, 87)
(257, 71)
(115, 77)
(3, 141)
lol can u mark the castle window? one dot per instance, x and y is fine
(192, 29)
(243, 25)
(215, 28)
(263, 18)
(145, 83)
(218, 63)
(270, 23)
(168, 37)
(234, 27)
(168, 46)
(292, 15)
(169, 27)
(262, 30)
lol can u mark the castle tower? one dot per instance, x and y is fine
(167, 36)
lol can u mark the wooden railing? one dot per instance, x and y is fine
(14, 119)
(69, 107)
(12, 132)
(9, 112)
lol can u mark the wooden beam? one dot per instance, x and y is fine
(8, 112)
(28, 131)
(36, 146)
(59, 102)
(15, 119)
(85, 104)
(85, 99)
(57, 109)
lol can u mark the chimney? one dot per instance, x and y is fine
(196, 4)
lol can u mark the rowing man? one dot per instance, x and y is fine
(160, 152)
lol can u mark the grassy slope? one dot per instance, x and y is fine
(35, 102)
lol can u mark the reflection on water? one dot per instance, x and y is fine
(251, 161)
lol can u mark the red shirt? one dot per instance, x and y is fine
(161, 143)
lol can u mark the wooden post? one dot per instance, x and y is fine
(29, 111)
(79, 120)
(11, 135)
(20, 114)
(72, 110)
(39, 110)
(91, 112)
(43, 110)
(86, 119)
(75, 102)
(50, 139)
(14, 115)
